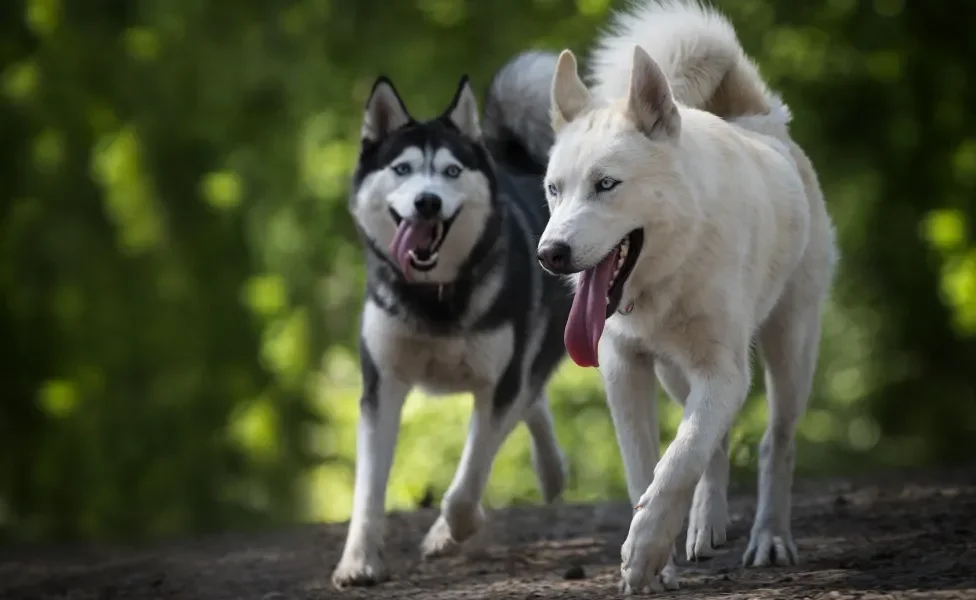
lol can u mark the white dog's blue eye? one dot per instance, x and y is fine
(402, 168)
(552, 189)
(606, 184)
(453, 172)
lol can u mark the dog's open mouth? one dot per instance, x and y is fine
(624, 258)
(598, 296)
(417, 243)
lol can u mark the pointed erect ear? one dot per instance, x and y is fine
(385, 111)
(463, 111)
(650, 104)
(569, 94)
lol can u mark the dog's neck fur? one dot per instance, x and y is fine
(440, 303)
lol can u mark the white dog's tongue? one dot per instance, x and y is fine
(589, 313)
(410, 236)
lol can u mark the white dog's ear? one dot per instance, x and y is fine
(385, 111)
(463, 111)
(650, 103)
(569, 94)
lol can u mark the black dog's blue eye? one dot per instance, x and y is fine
(452, 171)
(606, 184)
(552, 189)
(402, 168)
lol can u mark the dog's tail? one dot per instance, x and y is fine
(517, 129)
(699, 51)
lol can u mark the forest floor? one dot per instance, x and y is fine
(898, 535)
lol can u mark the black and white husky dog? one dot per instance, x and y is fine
(450, 214)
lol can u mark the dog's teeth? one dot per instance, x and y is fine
(423, 262)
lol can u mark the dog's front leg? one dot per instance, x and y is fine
(716, 394)
(631, 389)
(496, 412)
(379, 425)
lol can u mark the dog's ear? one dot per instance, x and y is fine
(569, 94)
(385, 111)
(650, 103)
(463, 111)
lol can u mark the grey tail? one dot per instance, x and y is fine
(517, 128)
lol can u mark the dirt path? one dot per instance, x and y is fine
(904, 535)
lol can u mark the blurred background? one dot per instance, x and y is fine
(181, 282)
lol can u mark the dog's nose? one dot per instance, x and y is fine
(555, 256)
(428, 205)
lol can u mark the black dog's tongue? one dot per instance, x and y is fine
(410, 236)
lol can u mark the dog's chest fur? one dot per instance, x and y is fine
(442, 364)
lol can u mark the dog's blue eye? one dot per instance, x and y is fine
(552, 189)
(402, 168)
(606, 184)
(453, 171)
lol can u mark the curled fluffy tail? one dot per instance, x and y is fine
(517, 128)
(700, 53)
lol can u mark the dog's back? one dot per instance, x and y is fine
(518, 137)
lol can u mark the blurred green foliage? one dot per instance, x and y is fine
(181, 282)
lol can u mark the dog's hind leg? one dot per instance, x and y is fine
(708, 519)
(789, 341)
(496, 413)
(379, 425)
(547, 458)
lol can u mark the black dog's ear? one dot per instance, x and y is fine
(385, 111)
(463, 111)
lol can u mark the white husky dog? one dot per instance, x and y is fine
(692, 225)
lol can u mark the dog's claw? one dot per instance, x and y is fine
(665, 580)
(359, 571)
(770, 549)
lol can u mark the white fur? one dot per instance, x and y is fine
(738, 247)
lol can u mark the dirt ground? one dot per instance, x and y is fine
(902, 535)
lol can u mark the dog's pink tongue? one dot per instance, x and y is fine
(410, 236)
(589, 314)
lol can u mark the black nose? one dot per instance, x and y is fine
(555, 257)
(428, 205)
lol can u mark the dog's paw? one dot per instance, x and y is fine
(708, 521)
(666, 580)
(438, 541)
(647, 558)
(463, 518)
(359, 568)
(769, 547)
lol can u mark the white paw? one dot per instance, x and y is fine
(707, 524)
(359, 567)
(463, 517)
(438, 541)
(458, 522)
(647, 556)
(769, 547)
(667, 579)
